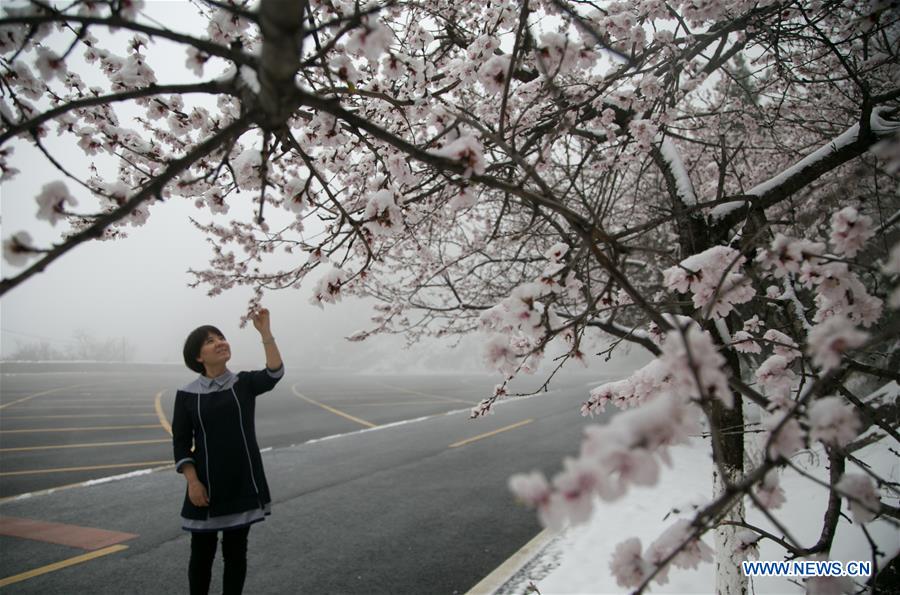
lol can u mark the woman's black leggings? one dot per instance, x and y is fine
(234, 553)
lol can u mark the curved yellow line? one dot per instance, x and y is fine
(161, 414)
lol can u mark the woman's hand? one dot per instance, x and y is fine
(261, 322)
(197, 493)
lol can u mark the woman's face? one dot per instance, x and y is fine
(215, 350)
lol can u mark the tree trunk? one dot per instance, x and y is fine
(730, 454)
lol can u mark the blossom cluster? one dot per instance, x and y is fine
(714, 279)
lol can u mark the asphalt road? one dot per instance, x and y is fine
(419, 507)
(63, 424)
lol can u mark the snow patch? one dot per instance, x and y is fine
(676, 165)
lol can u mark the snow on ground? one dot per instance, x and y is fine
(577, 560)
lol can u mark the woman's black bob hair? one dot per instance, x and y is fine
(194, 343)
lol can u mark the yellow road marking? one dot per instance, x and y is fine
(62, 564)
(489, 434)
(395, 403)
(46, 392)
(78, 415)
(332, 409)
(92, 468)
(421, 394)
(161, 414)
(87, 407)
(86, 429)
(88, 445)
(61, 401)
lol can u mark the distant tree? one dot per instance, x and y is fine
(88, 347)
(84, 346)
(36, 351)
(713, 182)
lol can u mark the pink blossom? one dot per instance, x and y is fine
(769, 492)
(829, 340)
(328, 289)
(775, 375)
(662, 422)
(129, 9)
(691, 356)
(195, 60)
(383, 214)
(294, 195)
(786, 254)
(744, 342)
(532, 488)
(246, 167)
(499, 355)
(557, 252)
(753, 325)
(643, 132)
(714, 278)
(850, 231)
(692, 552)
(18, 249)
(633, 466)
(862, 494)
(52, 201)
(467, 150)
(344, 68)
(575, 485)
(787, 439)
(747, 545)
(833, 421)
(462, 200)
(627, 564)
(782, 345)
(370, 40)
(492, 74)
(50, 65)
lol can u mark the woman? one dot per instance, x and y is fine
(226, 485)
